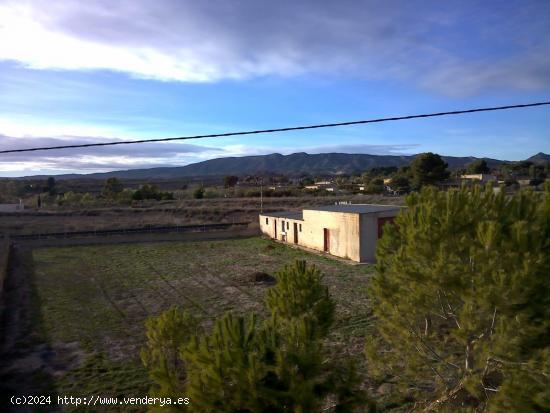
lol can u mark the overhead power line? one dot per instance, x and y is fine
(292, 128)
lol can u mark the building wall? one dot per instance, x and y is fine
(369, 233)
(343, 229)
(288, 236)
(479, 177)
(352, 236)
(11, 207)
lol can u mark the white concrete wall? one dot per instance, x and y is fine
(11, 207)
(343, 229)
(352, 235)
(288, 236)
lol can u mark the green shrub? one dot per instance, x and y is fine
(166, 334)
(247, 366)
(198, 193)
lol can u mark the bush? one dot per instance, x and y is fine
(112, 187)
(376, 186)
(75, 199)
(462, 300)
(125, 197)
(243, 365)
(212, 193)
(149, 191)
(198, 193)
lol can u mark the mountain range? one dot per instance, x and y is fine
(293, 165)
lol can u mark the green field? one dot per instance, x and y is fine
(94, 300)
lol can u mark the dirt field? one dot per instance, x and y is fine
(86, 329)
(184, 212)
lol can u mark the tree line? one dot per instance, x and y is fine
(425, 169)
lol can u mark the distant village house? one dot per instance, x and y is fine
(479, 177)
(12, 207)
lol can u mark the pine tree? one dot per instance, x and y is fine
(226, 368)
(428, 169)
(478, 167)
(299, 293)
(247, 366)
(166, 334)
(462, 300)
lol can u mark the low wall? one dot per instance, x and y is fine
(236, 232)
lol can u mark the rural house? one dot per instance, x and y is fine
(345, 230)
(12, 207)
(483, 178)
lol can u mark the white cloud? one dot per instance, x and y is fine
(32, 127)
(455, 48)
(96, 159)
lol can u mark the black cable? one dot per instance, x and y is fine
(255, 132)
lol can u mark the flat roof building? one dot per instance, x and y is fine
(344, 230)
(479, 177)
(12, 207)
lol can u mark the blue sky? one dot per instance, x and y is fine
(97, 71)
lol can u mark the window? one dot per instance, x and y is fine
(288, 225)
(267, 221)
(300, 227)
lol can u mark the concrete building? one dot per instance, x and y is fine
(326, 185)
(348, 231)
(479, 177)
(12, 207)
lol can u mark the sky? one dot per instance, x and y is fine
(102, 70)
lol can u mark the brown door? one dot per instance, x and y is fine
(326, 236)
(382, 222)
(275, 228)
(295, 233)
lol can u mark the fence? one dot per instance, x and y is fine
(128, 231)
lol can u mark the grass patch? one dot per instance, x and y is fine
(100, 296)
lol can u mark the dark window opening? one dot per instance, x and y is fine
(267, 221)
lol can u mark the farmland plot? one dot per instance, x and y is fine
(96, 299)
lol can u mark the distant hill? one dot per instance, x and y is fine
(539, 158)
(294, 165)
